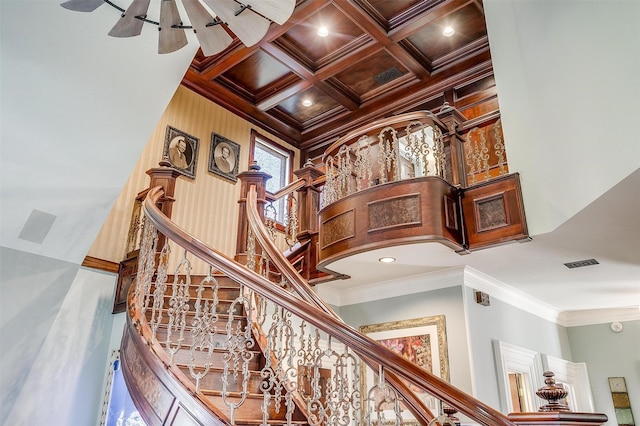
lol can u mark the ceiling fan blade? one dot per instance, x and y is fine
(170, 39)
(128, 25)
(276, 10)
(82, 5)
(248, 26)
(213, 39)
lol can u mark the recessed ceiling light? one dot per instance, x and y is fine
(323, 31)
(448, 31)
(307, 102)
(387, 259)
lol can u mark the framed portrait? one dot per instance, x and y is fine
(127, 272)
(224, 157)
(182, 151)
(420, 340)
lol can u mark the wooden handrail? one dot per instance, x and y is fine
(363, 345)
(288, 189)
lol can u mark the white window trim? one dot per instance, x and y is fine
(514, 359)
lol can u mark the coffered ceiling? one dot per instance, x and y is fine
(381, 57)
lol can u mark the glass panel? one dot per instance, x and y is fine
(276, 164)
(121, 408)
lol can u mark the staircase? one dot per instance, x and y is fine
(235, 347)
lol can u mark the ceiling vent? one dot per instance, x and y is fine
(388, 75)
(581, 263)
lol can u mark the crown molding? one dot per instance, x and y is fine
(600, 316)
(507, 294)
(337, 295)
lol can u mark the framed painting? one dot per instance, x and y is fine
(181, 149)
(224, 157)
(420, 340)
(127, 272)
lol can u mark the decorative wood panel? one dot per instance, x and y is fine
(430, 212)
(145, 382)
(494, 212)
(394, 212)
(337, 228)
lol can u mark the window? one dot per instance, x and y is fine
(278, 162)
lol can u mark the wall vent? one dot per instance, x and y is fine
(581, 263)
(387, 75)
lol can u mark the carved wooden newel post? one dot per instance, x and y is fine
(308, 205)
(164, 176)
(453, 119)
(555, 412)
(251, 177)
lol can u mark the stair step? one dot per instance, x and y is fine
(213, 380)
(250, 408)
(219, 339)
(183, 357)
(223, 306)
(224, 291)
(221, 324)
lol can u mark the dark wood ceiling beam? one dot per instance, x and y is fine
(378, 33)
(309, 76)
(269, 102)
(237, 105)
(348, 60)
(212, 67)
(227, 62)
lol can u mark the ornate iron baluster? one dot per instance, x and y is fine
(239, 345)
(307, 388)
(291, 221)
(160, 290)
(381, 397)
(178, 307)
(477, 153)
(329, 192)
(388, 152)
(499, 146)
(279, 373)
(204, 328)
(363, 164)
(439, 155)
(344, 171)
(147, 263)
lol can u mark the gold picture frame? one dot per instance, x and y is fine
(421, 340)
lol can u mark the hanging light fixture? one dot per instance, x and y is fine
(249, 21)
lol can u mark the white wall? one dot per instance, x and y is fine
(55, 336)
(506, 323)
(608, 354)
(447, 302)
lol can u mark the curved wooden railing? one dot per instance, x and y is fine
(362, 345)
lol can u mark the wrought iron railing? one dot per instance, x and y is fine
(311, 357)
(401, 147)
(411, 145)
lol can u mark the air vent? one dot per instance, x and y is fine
(581, 263)
(388, 75)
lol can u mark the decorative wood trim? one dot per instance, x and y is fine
(337, 228)
(100, 264)
(395, 212)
